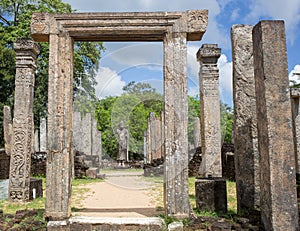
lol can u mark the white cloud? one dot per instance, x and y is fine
(193, 91)
(225, 72)
(235, 14)
(109, 83)
(214, 34)
(135, 54)
(193, 64)
(295, 74)
(288, 10)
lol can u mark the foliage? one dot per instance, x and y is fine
(226, 123)
(15, 19)
(194, 111)
(133, 107)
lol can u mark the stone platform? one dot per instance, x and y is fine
(107, 223)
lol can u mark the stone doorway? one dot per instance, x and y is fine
(174, 29)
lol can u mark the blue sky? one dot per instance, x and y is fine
(123, 62)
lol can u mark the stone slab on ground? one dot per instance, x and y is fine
(107, 223)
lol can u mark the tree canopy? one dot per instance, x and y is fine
(15, 16)
(133, 107)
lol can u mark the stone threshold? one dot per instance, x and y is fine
(109, 223)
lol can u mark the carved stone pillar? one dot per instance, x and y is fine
(211, 163)
(245, 123)
(8, 130)
(278, 198)
(19, 175)
(176, 118)
(60, 97)
(197, 132)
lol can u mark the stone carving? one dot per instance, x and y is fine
(211, 164)
(8, 130)
(39, 23)
(123, 142)
(193, 23)
(196, 20)
(19, 176)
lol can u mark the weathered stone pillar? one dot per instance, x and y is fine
(19, 175)
(36, 141)
(162, 126)
(245, 123)
(295, 103)
(197, 132)
(149, 145)
(96, 141)
(43, 135)
(211, 163)
(145, 147)
(155, 130)
(59, 159)
(86, 134)
(8, 129)
(152, 135)
(176, 116)
(77, 131)
(211, 195)
(278, 199)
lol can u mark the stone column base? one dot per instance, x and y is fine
(211, 194)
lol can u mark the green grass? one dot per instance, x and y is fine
(231, 199)
(39, 203)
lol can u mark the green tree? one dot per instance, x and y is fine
(194, 111)
(15, 19)
(133, 107)
(226, 122)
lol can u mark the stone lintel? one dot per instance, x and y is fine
(115, 26)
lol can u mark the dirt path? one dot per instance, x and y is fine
(122, 194)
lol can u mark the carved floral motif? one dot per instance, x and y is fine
(38, 23)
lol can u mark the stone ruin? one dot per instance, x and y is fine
(259, 65)
(263, 131)
(87, 145)
(154, 146)
(174, 29)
